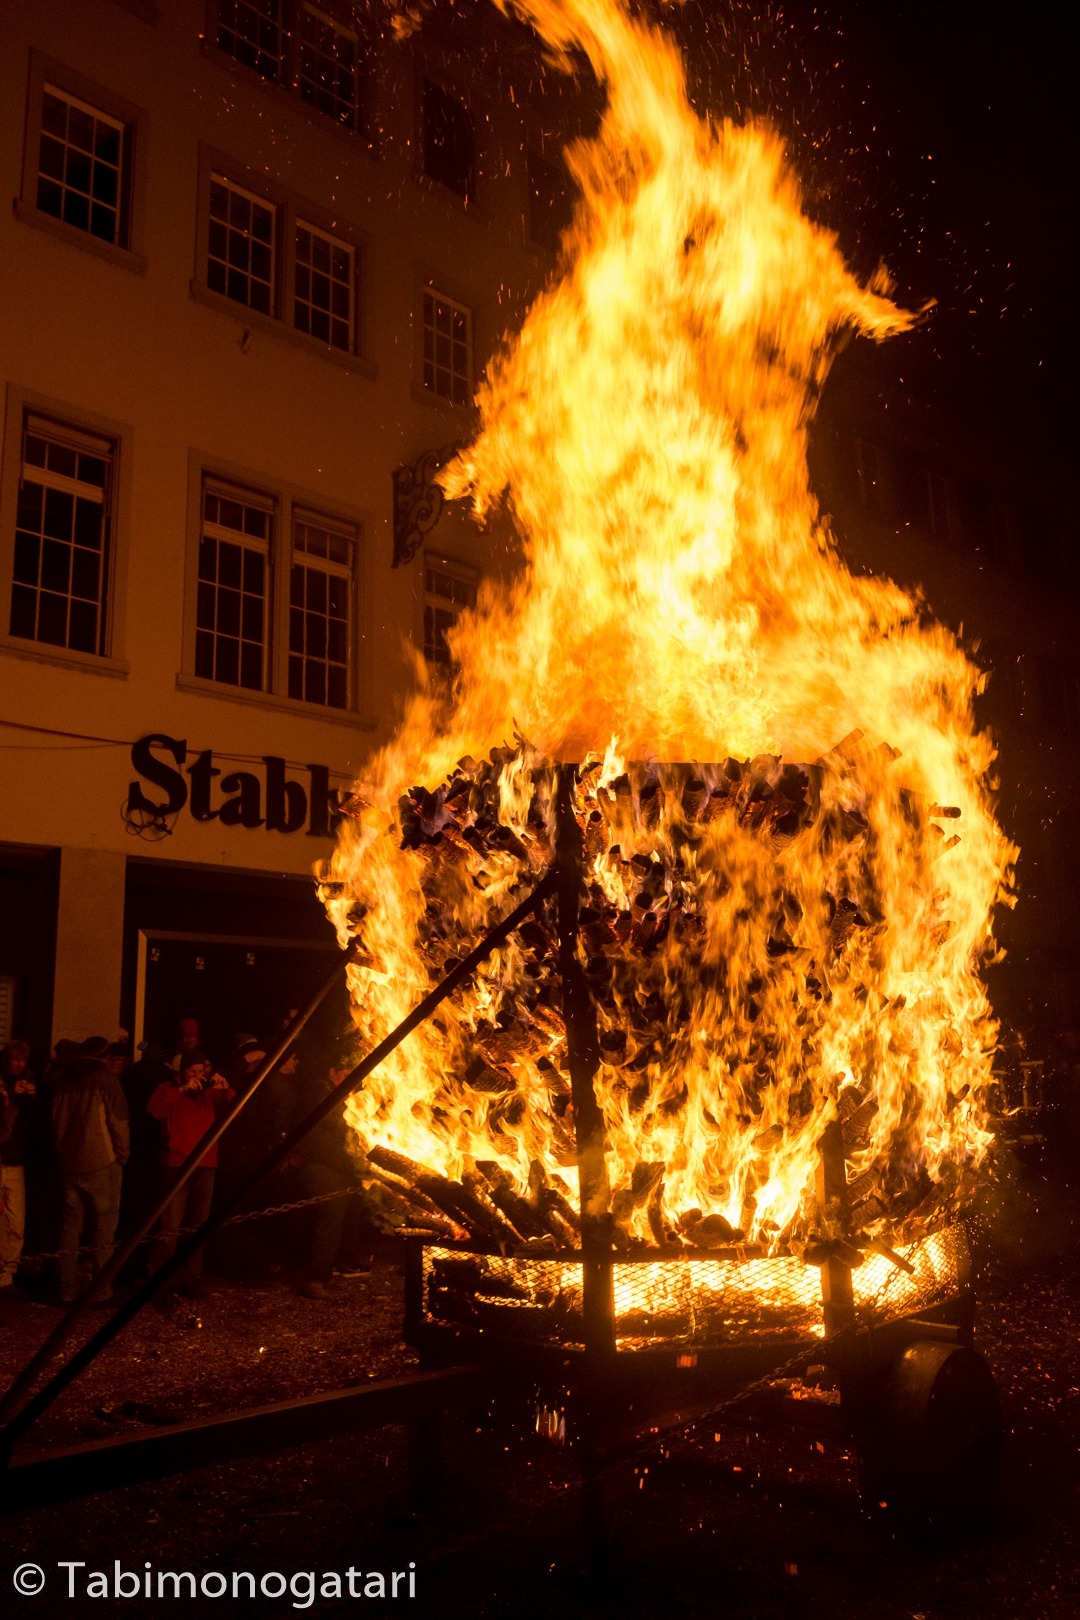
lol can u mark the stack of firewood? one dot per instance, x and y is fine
(643, 922)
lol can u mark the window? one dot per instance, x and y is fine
(550, 201)
(234, 565)
(324, 281)
(250, 32)
(448, 144)
(868, 461)
(58, 593)
(940, 506)
(449, 587)
(320, 598)
(240, 260)
(447, 348)
(80, 165)
(327, 76)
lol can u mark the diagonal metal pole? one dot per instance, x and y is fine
(18, 1421)
(67, 1324)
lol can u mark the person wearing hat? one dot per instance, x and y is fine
(91, 1138)
(189, 1040)
(189, 1105)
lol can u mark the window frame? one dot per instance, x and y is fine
(427, 279)
(290, 210)
(351, 532)
(291, 502)
(466, 573)
(19, 403)
(363, 130)
(128, 254)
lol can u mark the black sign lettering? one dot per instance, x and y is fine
(286, 802)
(202, 773)
(162, 775)
(243, 811)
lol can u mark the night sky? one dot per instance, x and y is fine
(943, 139)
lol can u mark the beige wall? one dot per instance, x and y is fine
(89, 936)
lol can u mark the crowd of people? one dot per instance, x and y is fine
(90, 1149)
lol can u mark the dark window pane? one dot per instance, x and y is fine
(236, 286)
(320, 325)
(77, 170)
(51, 160)
(50, 198)
(55, 565)
(315, 635)
(227, 662)
(28, 514)
(204, 655)
(107, 145)
(80, 131)
(255, 523)
(77, 210)
(252, 626)
(296, 630)
(62, 460)
(239, 248)
(260, 298)
(338, 590)
(300, 316)
(219, 239)
(27, 556)
(228, 613)
(34, 452)
(336, 687)
(88, 523)
(91, 470)
(296, 587)
(230, 514)
(23, 611)
(253, 571)
(251, 667)
(52, 620)
(54, 115)
(103, 223)
(215, 276)
(104, 184)
(316, 590)
(204, 616)
(207, 557)
(229, 560)
(337, 641)
(314, 682)
(296, 672)
(261, 261)
(448, 140)
(84, 574)
(82, 632)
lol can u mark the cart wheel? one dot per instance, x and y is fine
(933, 1454)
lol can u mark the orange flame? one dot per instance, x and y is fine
(681, 601)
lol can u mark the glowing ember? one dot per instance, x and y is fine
(778, 929)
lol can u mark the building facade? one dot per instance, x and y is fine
(258, 254)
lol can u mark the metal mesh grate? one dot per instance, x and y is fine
(695, 1301)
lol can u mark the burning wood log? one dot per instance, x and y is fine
(454, 1199)
(518, 1211)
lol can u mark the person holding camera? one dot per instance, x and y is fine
(188, 1106)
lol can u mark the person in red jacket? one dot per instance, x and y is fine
(188, 1105)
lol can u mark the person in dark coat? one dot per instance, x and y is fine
(91, 1138)
(21, 1091)
(189, 1104)
(144, 1177)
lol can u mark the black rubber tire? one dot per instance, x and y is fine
(933, 1454)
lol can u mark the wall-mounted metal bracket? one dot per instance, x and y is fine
(419, 500)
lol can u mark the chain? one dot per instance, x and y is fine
(233, 1220)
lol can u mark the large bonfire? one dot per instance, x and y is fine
(784, 920)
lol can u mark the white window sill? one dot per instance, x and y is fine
(40, 652)
(253, 321)
(270, 700)
(80, 239)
